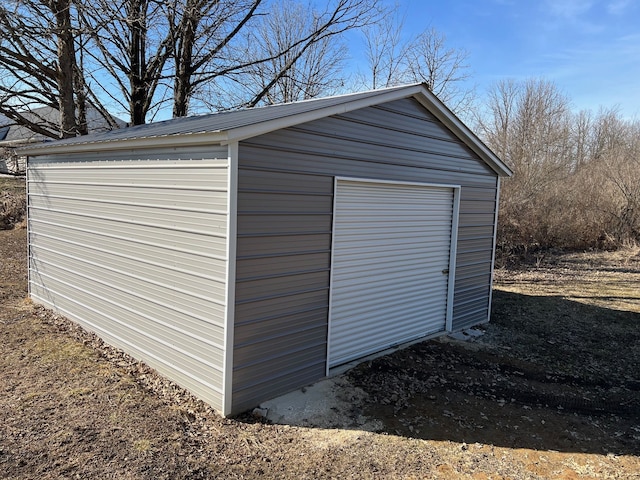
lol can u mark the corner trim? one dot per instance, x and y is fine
(230, 287)
(493, 254)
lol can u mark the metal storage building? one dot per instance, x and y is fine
(245, 254)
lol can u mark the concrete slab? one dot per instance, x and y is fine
(329, 403)
(334, 402)
(467, 335)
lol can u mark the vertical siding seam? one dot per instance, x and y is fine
(453, 252)
(229, 320)
(493, 250)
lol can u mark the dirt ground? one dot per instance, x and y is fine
(551, 390)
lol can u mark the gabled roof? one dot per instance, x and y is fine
(227, 127)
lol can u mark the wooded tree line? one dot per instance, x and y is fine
(576, 181)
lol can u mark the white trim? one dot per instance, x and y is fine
(395, 182)
(453, 249)
(333, 230)
(455, 214)
(493, 254)
(230, 287)
(28, 198)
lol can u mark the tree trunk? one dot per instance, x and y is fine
(137, 18)
(66, 68)
(182, 87)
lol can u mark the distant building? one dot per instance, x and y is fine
(13, 136)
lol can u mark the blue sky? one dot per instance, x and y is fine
(590, 49)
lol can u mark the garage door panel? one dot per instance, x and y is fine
(360, 260)
(397, 306)
(375, 284)
(386, 336)
(391, 252)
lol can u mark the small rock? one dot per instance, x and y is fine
(260, 412)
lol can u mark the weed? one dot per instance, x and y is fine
(142, 446)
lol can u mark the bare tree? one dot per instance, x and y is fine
(393, 59)
(609, 133)
(141, 55)
(38, 65)
(615, 160)
(287, 49)
(576, 181)
(132, 42)
(284, 68)
(528, 124)
(204, 32)
(496, 124)
(443, 69)
(386, 52)
(155, 51)
(582, 128)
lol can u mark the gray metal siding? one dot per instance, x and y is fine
(474, 256)
(282, 278)
(396, 141)
(133, 247)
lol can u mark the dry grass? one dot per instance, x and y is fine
(13, 204)
(604, 279)
(11, 184)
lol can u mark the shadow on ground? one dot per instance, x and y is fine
(548, 374)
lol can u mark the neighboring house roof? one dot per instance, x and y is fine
(20, 134)
(3, 132)
(226, 127)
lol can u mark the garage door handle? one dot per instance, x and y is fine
(445, 271)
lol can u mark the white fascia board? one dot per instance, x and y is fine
(451, 121)
(178, 140)
(248, 131)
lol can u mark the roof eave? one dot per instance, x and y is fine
(17, 142)
(178, 140)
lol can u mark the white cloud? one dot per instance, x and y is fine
(569, 8)
(618, 7)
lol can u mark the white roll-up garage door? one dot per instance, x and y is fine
(391, 265)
